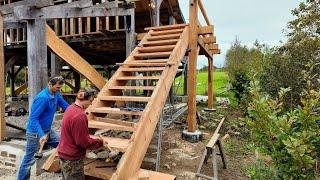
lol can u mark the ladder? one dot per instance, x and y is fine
(156, 59)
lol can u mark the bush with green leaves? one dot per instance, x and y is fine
(284, 66)
(291, 138)
(241, 62)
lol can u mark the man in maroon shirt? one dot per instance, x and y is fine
(75, 139)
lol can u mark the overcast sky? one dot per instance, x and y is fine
(249, 20)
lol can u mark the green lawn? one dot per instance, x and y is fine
(220, 81)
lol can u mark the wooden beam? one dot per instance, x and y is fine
(126, 78)
(116, 144)
(130, 33)
(10, 63)
(213, 140)
(155, 11)
(204, 48)
(215, 51)
(203, 11)
(166, 32)
(164, 37)
(140, 36)
(150, 88)
(63, 11)
(204, 30)
(147, 69)
(116, 121)
(219, 126)
(192, 71)
(14, 25)
(107, 110)
(209, 39)
(8, 8)
(210, 83)
(71, 86)
(168, 27)
(20, 89)
(2, 85)
(65, 52)
(161, 43)
(37, 57)
(211, 46)
(105, 125)
(156, 49)
(125, 98)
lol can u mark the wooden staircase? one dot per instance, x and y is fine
(154, 62)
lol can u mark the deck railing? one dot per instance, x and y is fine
(70, 27)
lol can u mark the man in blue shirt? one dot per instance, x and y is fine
(39, 130)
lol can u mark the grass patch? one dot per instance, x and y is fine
(220, 82)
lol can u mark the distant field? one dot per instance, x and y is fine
(220, 81)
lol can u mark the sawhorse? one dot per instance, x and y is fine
(211, 150)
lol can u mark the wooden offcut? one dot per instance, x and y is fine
(50, 161)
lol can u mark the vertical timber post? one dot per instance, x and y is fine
(156, 12)
(2, 84)
(77, 81)
(55, 65)
(37, 57)
(12, 79)
(210, 84)
(192, 134)
(185, 79)
(130, 42)
(192, 65)
(130, 33)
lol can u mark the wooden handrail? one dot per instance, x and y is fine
(203, 11)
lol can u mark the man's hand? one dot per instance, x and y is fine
(43, 139)
(105, 142)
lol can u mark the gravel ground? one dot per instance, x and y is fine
(6, 174)
(20, 121)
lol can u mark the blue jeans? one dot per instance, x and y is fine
(32, 147)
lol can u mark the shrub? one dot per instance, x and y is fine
(291, 138)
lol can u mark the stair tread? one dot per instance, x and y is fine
(116, 121)
(125, 98)
(164, 37)
(149, 64)
(142, 69)
(107, 125)
(153, 55)
(110, 110)
(152, 61)
(139, 78)
(171, 31)
(160, 28)
(160, 42)
(132, 87)
(114, 143)
(156, 48)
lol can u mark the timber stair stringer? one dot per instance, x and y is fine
(130, 162)
(161, 71)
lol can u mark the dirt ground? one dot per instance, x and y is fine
(180, 157)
